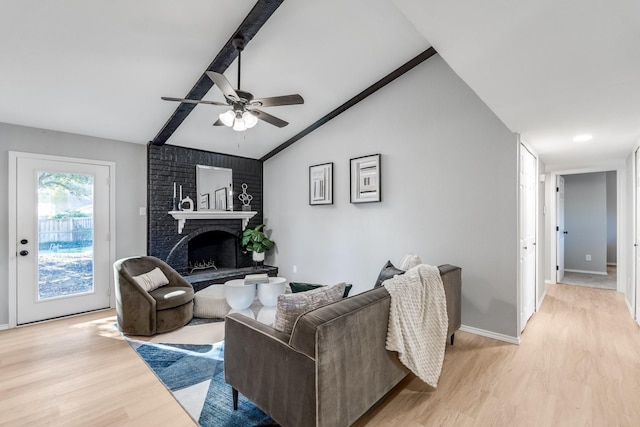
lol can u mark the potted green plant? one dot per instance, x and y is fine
(254, 240)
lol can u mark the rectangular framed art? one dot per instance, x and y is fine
(321, 184)
(221, 199)
(365, 179)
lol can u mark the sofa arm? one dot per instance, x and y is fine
(452, 282)
(260, 364)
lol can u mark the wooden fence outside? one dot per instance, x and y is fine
(65, 229)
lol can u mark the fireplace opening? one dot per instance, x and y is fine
(212, 250)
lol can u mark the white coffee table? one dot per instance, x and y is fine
(239, 296)
(268, 292)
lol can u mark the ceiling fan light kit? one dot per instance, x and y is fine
(243, 114)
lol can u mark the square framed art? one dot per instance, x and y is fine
(365, 179)
(321, 184)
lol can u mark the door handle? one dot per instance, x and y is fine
(24, 253)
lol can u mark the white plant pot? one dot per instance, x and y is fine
(258, 257)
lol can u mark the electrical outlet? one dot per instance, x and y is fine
(142, 211)
(588, 257)
(295, 269)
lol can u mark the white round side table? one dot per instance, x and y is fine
(239, 296)
(268, 292)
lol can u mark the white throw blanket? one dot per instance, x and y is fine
(418, 321)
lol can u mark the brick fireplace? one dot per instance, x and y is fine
(203, 239)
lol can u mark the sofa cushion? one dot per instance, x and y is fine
(303, 287)
(291, 306)
(388, 271)
(171, 296)
(151, 280)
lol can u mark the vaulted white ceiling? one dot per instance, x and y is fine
(548, 69)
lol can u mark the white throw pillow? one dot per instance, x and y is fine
(409, 261)
(152, 280)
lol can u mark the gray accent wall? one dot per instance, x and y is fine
(131, 185)
(586, 222)
(612, 218)
(449, 195)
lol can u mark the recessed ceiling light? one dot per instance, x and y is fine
(582, 138)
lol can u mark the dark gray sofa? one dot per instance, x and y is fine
(334, 365)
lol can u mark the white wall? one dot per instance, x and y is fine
(449, 191)
(131, 185)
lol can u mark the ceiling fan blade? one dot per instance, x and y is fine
(275, 101)
(193, 101)
(269, 118)
(218, 123)
(224, 85)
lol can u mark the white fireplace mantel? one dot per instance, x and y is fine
(183, 216)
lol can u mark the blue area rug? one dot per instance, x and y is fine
(194, 373)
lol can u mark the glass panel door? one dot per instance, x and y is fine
(63, 244)
(65, 234)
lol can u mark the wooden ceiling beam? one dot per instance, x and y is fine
(256, 18)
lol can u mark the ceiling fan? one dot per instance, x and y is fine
(243, 113)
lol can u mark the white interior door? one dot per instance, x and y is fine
(560, 230)
(636, 297)
(62, 238)
(527, 234)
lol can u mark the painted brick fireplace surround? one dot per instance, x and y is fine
(206, 239)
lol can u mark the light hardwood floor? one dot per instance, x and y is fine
(578, 364)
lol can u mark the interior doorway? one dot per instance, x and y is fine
(586, 230)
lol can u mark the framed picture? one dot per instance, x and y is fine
(221, 199)
(321, 184)
(365, 179)
(204, 202)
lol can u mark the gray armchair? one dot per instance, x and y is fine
(148, 313)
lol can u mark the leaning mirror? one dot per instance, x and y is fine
(215, 188)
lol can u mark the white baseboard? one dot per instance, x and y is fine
(489, 334)
(630, 308)
(3, 327)
(540, 300)
(602, 273)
